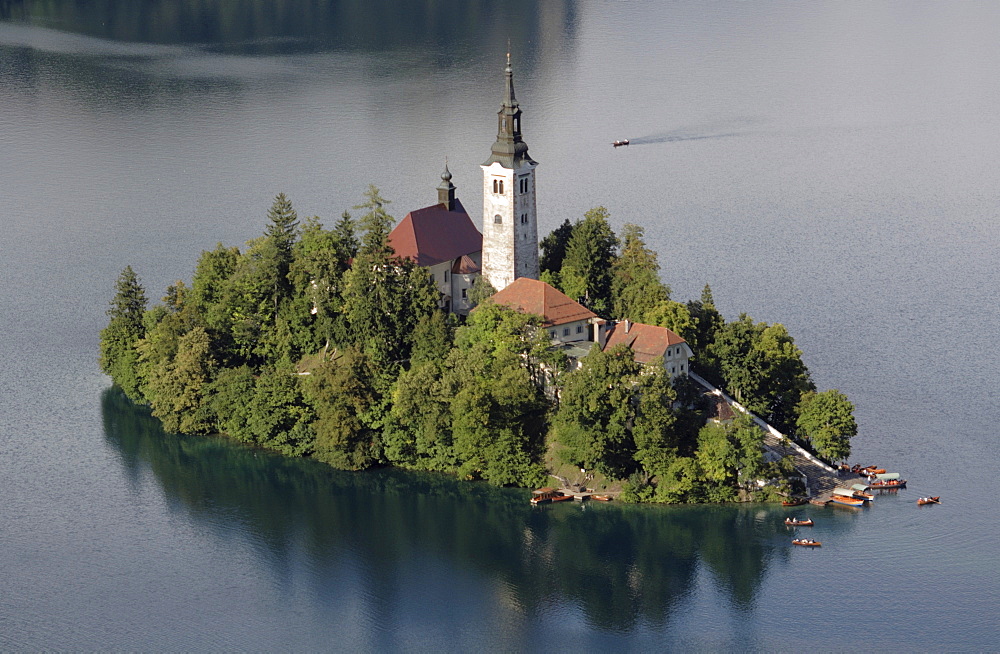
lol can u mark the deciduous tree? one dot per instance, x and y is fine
(827, 420)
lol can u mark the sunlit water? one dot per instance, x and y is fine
(830, 166)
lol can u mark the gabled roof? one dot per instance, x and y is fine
(532, 296)
(465, 265)
(646, 341)
(434, 234)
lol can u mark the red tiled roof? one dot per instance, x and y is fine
(434, 234)
(533, 296)
(465, 265)
(646, 341)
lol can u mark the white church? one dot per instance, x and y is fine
(443, 239)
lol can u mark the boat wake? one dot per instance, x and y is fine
(682, 135)
(723, 129)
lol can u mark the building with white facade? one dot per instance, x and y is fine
(649, 342)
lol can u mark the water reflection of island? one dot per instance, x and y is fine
(621, 565)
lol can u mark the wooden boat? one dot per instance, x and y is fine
(872, 470)
(794, 501)
(846, 500)
(601, 498)
(545, 495)
(620, 143)
(929, 500)
(806, 542)
(861, 490)
(888, 485)
(885, 481)
(795, 522)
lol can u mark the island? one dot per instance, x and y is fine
(489, 355)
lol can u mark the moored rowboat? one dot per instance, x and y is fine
(795, 522)
(806, 542)
(847, 500)
(929, 500)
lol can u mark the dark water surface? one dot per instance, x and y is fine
(829, 165)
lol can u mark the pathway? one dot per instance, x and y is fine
(820, 478)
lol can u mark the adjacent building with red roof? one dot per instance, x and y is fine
(443, 239)
(566, 320)
(648, 342)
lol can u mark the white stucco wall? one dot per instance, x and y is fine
(579, 330)
(677, 360)
(510, 247)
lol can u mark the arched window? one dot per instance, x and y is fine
(501, 187)
(495, 185)
(498, 219)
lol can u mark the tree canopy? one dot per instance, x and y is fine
(322, 342)
(591, 252)
(826, 420)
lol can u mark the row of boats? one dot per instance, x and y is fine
(552, 495)
(856, 495)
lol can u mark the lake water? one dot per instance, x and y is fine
(829, 165)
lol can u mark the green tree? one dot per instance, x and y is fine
(495, 377)
(553, 248)
(249, 301)
(208, 287)
(282, 229)
(481, 291)
(432, 338)
(418, 430)
(730, 458)
(376, 223)
(590, 256)
(384, 297)
(762, 367)
(341, 390)
(229, 394)
(675, 316)
(320, 260)
(278, 416)
(707, 323)
(827, 420)
(347, 238)
(654, 427)
(178, 388)
(635, 286)
(596, 412)
(119, 357)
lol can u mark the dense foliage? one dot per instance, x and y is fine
(322, 343)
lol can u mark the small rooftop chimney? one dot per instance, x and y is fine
(628, 325)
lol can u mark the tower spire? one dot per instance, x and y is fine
(509, 150)
(510, 223)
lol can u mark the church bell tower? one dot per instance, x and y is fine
(510, 225)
